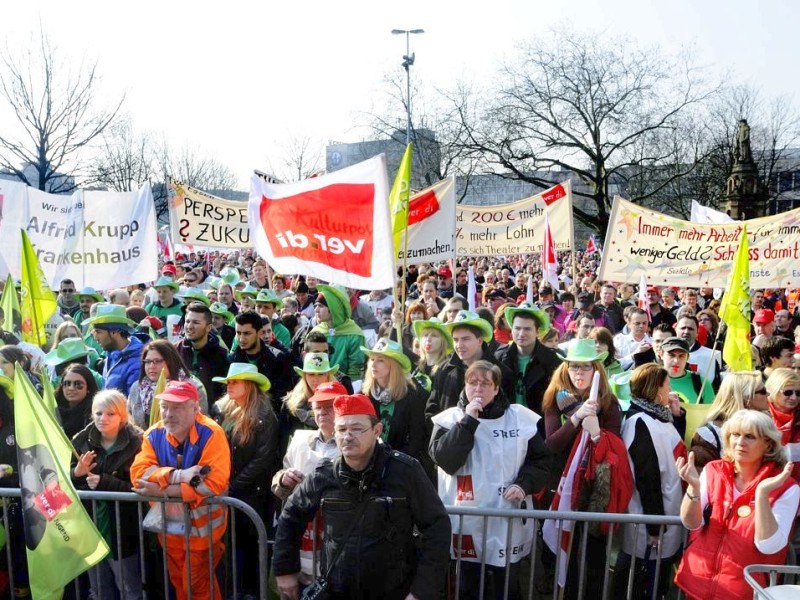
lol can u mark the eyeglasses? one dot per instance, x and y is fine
(790, 393)
(584, 368)
(78, 385)
(353, 432)
(152, 361)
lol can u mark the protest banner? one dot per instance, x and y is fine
(680, 253)
(200, 219)
(516, 228)
(335, 227)
(431, 224)
(96, 238)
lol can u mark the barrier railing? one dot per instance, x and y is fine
(232, 585)
(538, 571)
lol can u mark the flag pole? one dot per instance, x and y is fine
(711, 363)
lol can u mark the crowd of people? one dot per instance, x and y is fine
(374, 410)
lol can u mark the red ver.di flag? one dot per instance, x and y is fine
(335, 227)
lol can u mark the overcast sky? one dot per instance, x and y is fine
(237, 79)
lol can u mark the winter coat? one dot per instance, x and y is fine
(536, 378)
(113, 466)
(406, 427)
(123, 366)
(381, 559)
(344, 337)
(208, 362)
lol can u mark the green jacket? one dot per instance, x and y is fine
(344, 336)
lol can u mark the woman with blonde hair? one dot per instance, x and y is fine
(245, 414)
(435, 347)
(740, 510)
(739, 390)
(107, 447)
(398, 402)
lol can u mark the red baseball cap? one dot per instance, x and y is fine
(764, 316)
(444, 272)
(357, 404)
(652, 288)
(179, 391)
(328, 391)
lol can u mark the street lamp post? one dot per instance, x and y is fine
(408, 60)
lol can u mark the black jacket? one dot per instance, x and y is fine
(448, 382)
(407, 424)
(534, 382)
(382, 505)
(450, 448)
(211, 361)
(115, 476)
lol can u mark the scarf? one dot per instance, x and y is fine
(658, 412)
(381, 396)
(783, 421)
(147, 389)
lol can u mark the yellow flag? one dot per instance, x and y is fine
(61, 541)
(155, 407)
(398, 199)
(735, 310)
(38, 300)
(48, 394)
(10, 304)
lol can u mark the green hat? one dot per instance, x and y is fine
(526, 308)
(316, 362)
(164, 281)
(467, 317)
(389, 349)
(331, 293)
(583, 351)
(621, 385)
(269, 297)
(230, 276)
(8, 385)
(194, 293)
(91, 292)
(214, 282)
(246, 372)
(67, 350)
(432, 323)
(110, 314)
(218, 308)
(248, 290)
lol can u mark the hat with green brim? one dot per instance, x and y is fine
(110, 315)
(245, 372)
(230, 276)
(193, 294)
(91, 293)
(218, 308)
(248, 290)
(67, 350)
(621, 385)
(166, 282)
(316, 362)
(389, 349)
(467, 318)
(330, 294)
(433, 323)
(214, 282)
(583, 351)
(529, 310)
(8, 385)
(269, 297)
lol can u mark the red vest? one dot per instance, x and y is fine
(714, 560)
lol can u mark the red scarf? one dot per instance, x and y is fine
(785, 422)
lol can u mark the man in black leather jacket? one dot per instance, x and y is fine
(372, 500)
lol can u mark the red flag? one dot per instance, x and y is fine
(591, 247)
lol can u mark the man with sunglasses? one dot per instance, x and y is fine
(372, 499)
(66, 301)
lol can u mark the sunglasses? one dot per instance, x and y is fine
(78, 385)
(790, 393)
(67, 291)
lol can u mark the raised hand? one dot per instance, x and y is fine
(86, 464)
(688, 472)
(772, 483)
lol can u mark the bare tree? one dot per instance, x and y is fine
(592, 107)
(300, 158)
(55, 116)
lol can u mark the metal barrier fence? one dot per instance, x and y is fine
(528, 579)
(148, 548)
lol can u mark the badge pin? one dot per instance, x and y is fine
(744, 511)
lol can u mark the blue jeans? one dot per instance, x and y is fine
(109, 575)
